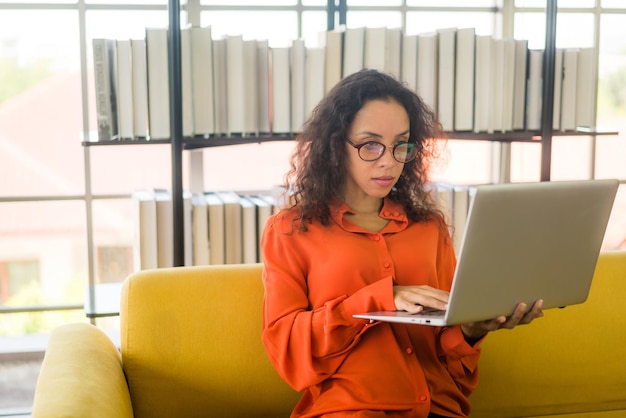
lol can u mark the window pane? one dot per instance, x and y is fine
(355, 19)
(249, 2)
(132, 2)
(572, 29)
(314, 2)
(373, 3)
(617, 4)
(420, 22)
(40, 103)
(114, 227)
(312, 24)
(525, 162)
(452, 3)
(278, 27)
(561, 3)
(464, 162)
(571, 158)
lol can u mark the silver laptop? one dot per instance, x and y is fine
(523, 242)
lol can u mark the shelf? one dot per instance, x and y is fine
(520, 136)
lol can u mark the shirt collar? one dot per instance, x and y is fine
(391, 210)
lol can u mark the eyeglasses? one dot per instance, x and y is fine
(402, 152)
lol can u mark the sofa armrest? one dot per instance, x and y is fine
(81, 376)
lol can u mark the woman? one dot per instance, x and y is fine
(363, 234)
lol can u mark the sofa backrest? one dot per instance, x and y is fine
(571, 360)
(191, 344)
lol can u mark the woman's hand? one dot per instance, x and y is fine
(414, 299)
(474, 331)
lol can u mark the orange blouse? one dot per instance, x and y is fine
(316, 280)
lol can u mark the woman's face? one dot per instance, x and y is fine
(384, 121)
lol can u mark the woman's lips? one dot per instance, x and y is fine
(384, 181)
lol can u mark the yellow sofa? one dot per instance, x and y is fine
(190, 347)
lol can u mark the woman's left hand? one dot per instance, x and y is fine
(474, 331)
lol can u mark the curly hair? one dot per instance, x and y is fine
(318, 170)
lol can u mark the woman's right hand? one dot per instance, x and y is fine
(414, 299)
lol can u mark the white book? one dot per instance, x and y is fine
(235, 82)
(165, 228)
(568, 89)
(248, 230)
(534, 84)
(314, 78)
(281, 97)
(558, 89)
(158, 83)
(233, 245)
(200, 226)
(408, 73)
(145, 250)
(497, 86)
(216, 225)
(393, 52)
(219, 86)
(125, 89)
(445, 200)
(520, 77)
(585, 89)
(202, 81)
(375, 44)
(187, 228)
(353, 50)
(445, 77)
(508, 84)
(263, 80)
(186, 82)
(251, 87)
(483, 95)
(427, 68)
(140, 88)
(298, 74)
(332, 42)
(104, 57)
(464, 79)
(264, 210)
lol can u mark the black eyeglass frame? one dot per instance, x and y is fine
(393, 150)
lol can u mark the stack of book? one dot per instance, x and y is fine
(237, 87)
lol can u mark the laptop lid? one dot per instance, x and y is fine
(523, 242)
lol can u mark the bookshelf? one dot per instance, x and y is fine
(179, 144)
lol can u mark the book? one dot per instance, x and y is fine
(186, 82)
(264, 210)
(251, 87)
(187, 228)
(558, 89)
(314, 78)
(281, 97)
(219, 86)
(104, 57)
(158, 83)
(508, 84)
(393, 52)
(585, 89)
(534, 97)
(497, 86)
(200, 226)
(124, 88)
(446, 39)
(375, 44)
(332, 42)
(464, 79)
(353, 50)
(140, 88)
(248, 230)
(519, 84)
(408, 73)
(483, 82)
(145, 251)
(235, 82)
(165, 228)
(568, 89)
(263, 81)
(216, 222)
(298, 74)
(427, 68)
(202, 81)
(233, 244)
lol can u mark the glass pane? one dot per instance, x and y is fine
(312, 24)
(131, 2)
(49, 235)
(115, 169)
(571, 158)
(355, 19)
(561, 3)
(278, 27)
(572, 29)
(40, 103)
(525, 162)
(113, 235)
(314, 2)
(420, 22)
(617, 4)
(464, 162)
(373, 3)
(452, 3)
(249, 2)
